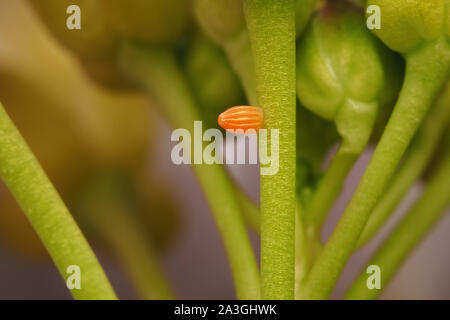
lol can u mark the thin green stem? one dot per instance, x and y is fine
(354, 122)
(420, 152)
(107, 208)
(302, 258)
(48, 214)
(329, 188)
(129, 242)
(307, 246)
(223, 21)
(251, 213)
(271, 25)
(427, 72)
(409, 233)
(157, 70)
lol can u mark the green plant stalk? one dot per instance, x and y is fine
(135, 254)
(354, 122)
(157, 70)
(409, 232)
(48, 214)
(307, 239)
(252, 215)
(427, 72)
(112, 218)
(302, 257)
(307, 245)
(329, 188)
(420, 152)
(271, 25)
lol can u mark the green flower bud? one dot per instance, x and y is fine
(212, 78)
(224, 19)
(409, 23)
(221, 20)
(304, 9)
(341, 74)
(107, 24)
(95, 39)
(152, 21)
(224, 22)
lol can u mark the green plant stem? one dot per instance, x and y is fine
(109, 212)
(329, 188)
(252, 215)
(409, 232)
(354, 122)
(307, 245)
(302, 258)
(427, 72)
(420, 152)
(137, 257)
(271, 25)
(157, 70)
(47, 213)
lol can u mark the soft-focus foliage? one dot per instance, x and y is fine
(409, 23)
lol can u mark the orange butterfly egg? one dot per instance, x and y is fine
(241, 117)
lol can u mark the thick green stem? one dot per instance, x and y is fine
(427, 72)
(420, 152)
(157, 70)
(48, 214)
(408, 234)
(271, 25)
